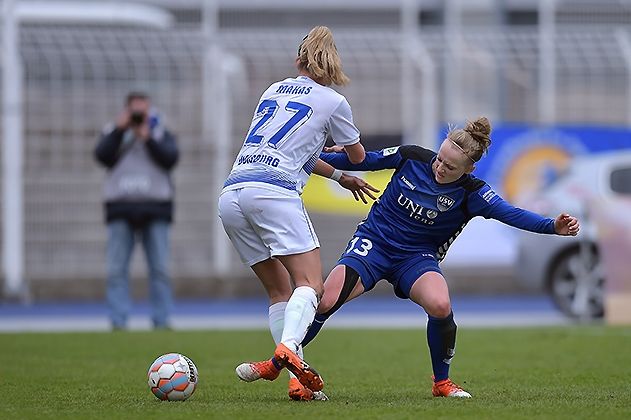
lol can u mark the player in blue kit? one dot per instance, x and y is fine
(429, 200)
(408, 231)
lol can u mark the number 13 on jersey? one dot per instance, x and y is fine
(267, 110)
(359, 248)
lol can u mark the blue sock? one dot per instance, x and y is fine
(441, 338)
(276, 364)
(314, 328)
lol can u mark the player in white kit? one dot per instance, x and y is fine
(261, 208)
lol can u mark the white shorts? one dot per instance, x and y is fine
(263, 223)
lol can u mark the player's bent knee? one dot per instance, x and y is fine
(439, 309)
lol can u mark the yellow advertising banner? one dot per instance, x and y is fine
(325, 196)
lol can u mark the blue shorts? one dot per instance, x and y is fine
(374, 262)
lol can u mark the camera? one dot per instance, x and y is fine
(137, 118)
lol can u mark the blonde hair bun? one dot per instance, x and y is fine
(474, 138)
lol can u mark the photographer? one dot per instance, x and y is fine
(139, 154)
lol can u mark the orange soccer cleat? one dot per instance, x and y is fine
(446, 388)
(251, 371)
(299, 392)
(305, 373)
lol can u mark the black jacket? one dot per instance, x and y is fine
(164, 152)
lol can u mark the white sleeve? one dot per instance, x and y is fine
(343, 131)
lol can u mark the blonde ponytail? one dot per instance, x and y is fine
(318, 56)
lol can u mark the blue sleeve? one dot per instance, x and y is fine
(389, 158)
(485, 202)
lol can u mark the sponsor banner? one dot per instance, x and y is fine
(325, 196)
(523, 159)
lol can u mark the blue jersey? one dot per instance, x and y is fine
(417, 214)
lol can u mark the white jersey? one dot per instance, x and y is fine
(287, 134)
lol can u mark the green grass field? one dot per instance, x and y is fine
(572, 372)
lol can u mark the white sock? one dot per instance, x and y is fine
(277, 320)
(299, 314)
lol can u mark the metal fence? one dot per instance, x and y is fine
(76, 78)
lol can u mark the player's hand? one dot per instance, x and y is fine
(333, 149)
(122, 121)
(358, 187)
(566, 225)
(142, 132)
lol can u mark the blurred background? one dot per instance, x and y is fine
(554, 78)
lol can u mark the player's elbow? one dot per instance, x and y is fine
(355, 160)
(356, 153)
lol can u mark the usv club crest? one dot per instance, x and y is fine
(444, 203)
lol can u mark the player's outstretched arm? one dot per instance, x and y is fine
(374, 160)
(566, 225)
(357, 186)
(485, 202)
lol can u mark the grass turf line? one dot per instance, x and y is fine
(556, 372)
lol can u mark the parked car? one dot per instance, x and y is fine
(570, 268)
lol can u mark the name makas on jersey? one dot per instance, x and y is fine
(290, 126)
(417, 214)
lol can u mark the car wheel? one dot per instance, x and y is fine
(576, 282)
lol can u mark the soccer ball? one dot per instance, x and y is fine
(172, 377)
